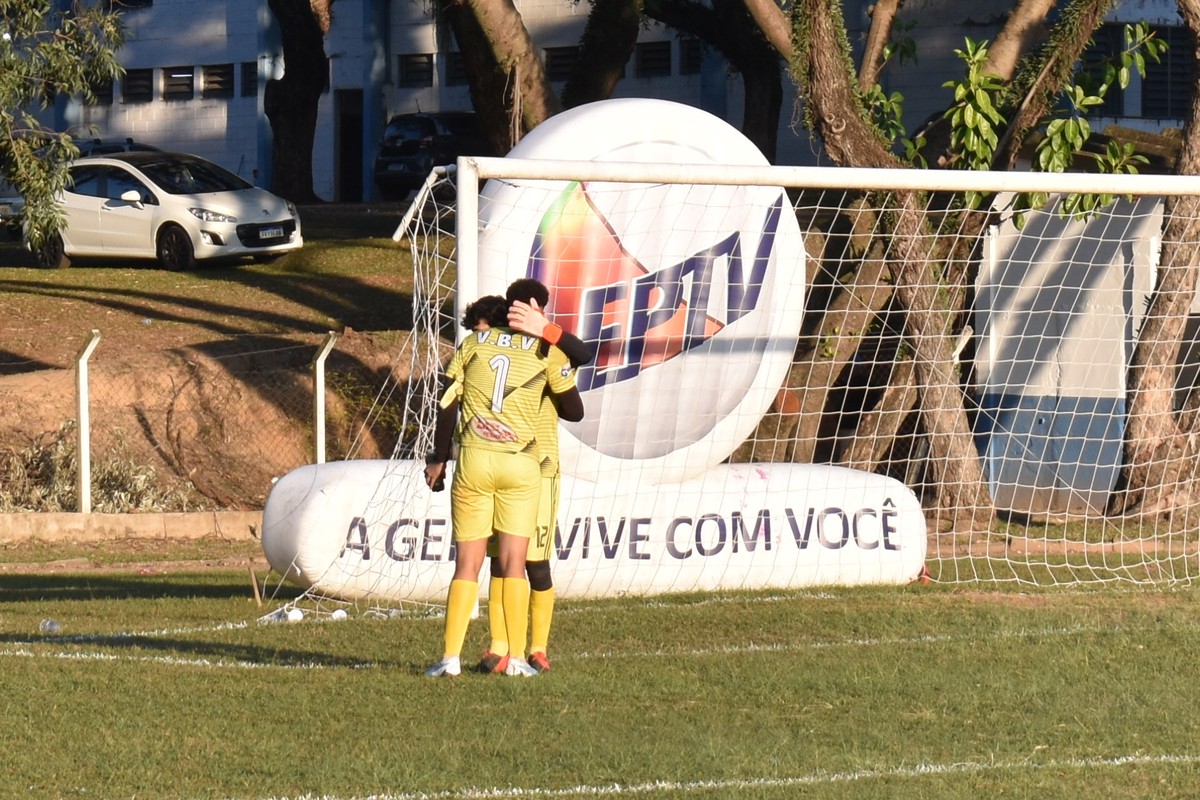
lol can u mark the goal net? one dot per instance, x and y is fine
(1015, 351)
(1027, 368)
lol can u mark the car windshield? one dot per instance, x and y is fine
(191, 176)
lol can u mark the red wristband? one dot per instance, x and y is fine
(552, 333)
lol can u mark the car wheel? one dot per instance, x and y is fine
(52, 254)
(175, 251)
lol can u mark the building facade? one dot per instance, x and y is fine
(195, 74)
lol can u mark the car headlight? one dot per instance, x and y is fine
(204, 215)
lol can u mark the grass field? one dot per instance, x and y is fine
(164, 684)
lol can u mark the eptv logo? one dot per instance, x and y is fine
(636, 318)
(692, 295)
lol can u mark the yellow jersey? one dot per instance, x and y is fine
(548, 436)
(499, 378)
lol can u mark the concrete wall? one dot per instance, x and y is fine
(1057, 311)
(99, 527)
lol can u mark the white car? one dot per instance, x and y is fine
(177, 208)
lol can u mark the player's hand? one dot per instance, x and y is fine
(435, 476)
(527, 318)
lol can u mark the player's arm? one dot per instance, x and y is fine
(560, 380)
(443, 437)
(576, 350)
(528, 318)
(569, 405)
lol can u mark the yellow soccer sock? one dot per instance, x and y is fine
(541, 609)
(459, 605)
(516, 614)
(499, 633)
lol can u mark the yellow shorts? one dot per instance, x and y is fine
(494, 491)
(541, 545)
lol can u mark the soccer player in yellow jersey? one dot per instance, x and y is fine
(528, 297)
(494, 387)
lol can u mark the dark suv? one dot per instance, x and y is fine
(413, 144)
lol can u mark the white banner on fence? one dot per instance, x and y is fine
(372, 530)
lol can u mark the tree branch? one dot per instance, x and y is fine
(1068, 41)
(883, 14)
(774, 23)
(1024, 28)
(607, 42)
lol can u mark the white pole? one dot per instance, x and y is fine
(319, 396)
(84, 433)
(466, 235)
(931, 180)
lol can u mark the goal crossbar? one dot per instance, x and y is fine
(475, 169)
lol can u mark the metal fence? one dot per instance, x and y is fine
(207, 426)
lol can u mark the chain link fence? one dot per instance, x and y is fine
(204, 427)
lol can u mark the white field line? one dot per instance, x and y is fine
(817, 594)
(36, 649)
(815, 779)
(787, 647)
(174, 661)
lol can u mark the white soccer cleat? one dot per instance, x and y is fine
(519, 666)
(446, 668)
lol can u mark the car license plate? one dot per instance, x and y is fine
(270, 233)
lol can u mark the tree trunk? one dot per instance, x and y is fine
(530, 99)
(762, 76)
(1024, 29)
(727, 27)
(1041, 83)
(291, 102)
(883, 15)
(774, 24)
(842, 319)
(962, 503)
(608, 42)
(1158, 471)
(880, 429)
(1157, 452)
(486, 82)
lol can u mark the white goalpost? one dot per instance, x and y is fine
(809, 375)
(1042, 342)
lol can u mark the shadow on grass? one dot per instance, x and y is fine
(220, 298)
(18, 588)
(253, 655)
(185, 586)
(338, 221)
(326, 300)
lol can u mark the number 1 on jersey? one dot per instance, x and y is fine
(499, 365)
